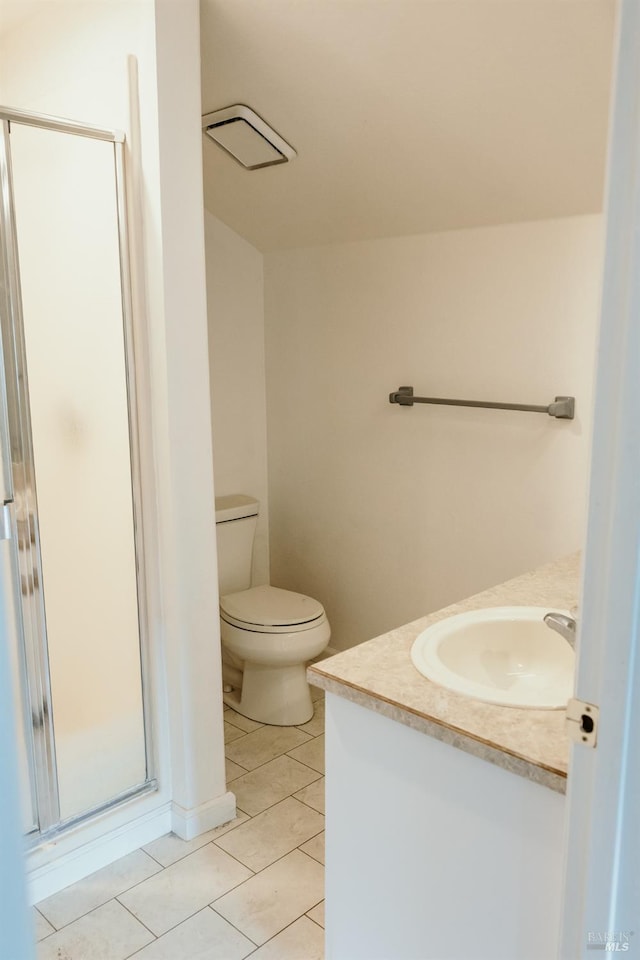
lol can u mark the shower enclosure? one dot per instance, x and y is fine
(71, 523)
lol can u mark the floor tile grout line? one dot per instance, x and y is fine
(319, 775)
(158, 936)
(259, 946)
(155, 859)
(229, 743)
(260, 765)
(271, 759)
(276, 726)
(56, 929)
(190, 917)
(274, 802)
(279, 757)
(241, 932)
(316, 905)
(237, 764)
(298, 847)
(314, 836)
(40, 911)
(184, 856)
(257, 873)
(210, 905)
(313, 858)
(154, 935)
(254, 872)
(121, 893)
(109, 899)
(259, 814)
(309, 805)
(93, 910)
(259, 726)
(273, 726)
(226, 719)
(267, 726)
(289, 796)
(254, 816)
(230, 723)
(312, 861)
(199, 910)
(213, 841)
(309, 855)
(306, 764)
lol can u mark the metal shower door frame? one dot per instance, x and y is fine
(15, 418)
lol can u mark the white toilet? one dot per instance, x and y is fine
(268, 635)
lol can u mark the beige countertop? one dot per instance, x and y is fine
(379, 675)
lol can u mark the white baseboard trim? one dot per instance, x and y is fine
(78, 863)
(188, 824)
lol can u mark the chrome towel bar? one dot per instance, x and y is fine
(563, 408)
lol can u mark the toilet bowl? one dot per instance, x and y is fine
(274, 633)
(268, 635)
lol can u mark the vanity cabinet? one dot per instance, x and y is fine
(433, 853)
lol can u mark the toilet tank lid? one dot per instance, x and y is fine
(235, 507)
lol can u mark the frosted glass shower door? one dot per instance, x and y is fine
(66, 223)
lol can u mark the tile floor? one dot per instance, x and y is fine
(252, 888)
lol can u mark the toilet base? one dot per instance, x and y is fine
(273, 694)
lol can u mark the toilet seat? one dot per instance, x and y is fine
(268, 609)
(271, 635)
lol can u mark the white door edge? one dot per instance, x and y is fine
(602, 891)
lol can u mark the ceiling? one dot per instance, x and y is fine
(408, 116)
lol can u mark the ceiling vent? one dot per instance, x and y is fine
(246, 137)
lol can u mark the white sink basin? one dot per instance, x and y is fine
(502, 655)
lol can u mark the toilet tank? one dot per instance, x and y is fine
(236, 518)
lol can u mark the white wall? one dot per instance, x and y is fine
(52, 58)
(385, 513)
(235, 298)
(185, 465)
